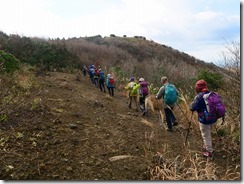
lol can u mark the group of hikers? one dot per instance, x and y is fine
(98, 78)
(169, 94)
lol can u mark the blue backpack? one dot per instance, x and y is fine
(170, 95)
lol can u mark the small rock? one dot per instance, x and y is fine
(73, 126)
(69, 168)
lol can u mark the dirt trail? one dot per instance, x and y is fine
(78, 132)
(106, 128)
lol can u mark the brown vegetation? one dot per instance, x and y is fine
(59, 126)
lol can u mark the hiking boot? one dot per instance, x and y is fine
(169, 129)
(175, 123)
(144, 113)
(208, 154)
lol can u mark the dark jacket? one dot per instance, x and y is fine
(199, 105)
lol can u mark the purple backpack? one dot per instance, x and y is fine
(144, 88)
(214, 105)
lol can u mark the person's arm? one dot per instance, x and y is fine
(160, 92)
(195, 105)
(127, 86)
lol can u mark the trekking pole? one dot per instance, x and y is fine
(188, 130)
(183, 112)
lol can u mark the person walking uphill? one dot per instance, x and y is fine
(110, 82)
(101, 81)
(170, 94)
(205, 126)
(132, 93)
(143, 92)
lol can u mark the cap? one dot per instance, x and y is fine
(132, 79)
(201, 85)
(141, 80)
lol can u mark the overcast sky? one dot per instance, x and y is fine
(200, 28)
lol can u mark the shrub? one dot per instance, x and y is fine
(8, 63)
(214, 80)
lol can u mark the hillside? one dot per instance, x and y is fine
(69, 130)
(128, 56)
(56, 125)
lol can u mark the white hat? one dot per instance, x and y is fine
(141, 80)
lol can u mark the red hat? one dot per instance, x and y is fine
(201, 85)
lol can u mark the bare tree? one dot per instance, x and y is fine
(231, 62)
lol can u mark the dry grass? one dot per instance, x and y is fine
(191, 167)
(153, 104)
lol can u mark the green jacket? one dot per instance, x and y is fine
(130, 86)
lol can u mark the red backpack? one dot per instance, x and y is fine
(96, 72)
(111, 81)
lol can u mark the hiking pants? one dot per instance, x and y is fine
(170, 117)
(206, 135)
(101, 85)
(142, 103)
(95, 79)
(84, 72)
(135, 100)
(111, 91)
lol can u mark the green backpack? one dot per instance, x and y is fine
(134, 90)
(170, 95)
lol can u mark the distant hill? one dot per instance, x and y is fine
(125, 56)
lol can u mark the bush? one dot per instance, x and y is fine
(8, 63)
(214, 80)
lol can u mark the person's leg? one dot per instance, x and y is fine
(100, 85)
(168, 118)
(130, 97)
(112, 91)
(172, 117)
(135, 100)
(141, 103)
(103, 86)
(96, 81)
(207, 139)
(109, 90)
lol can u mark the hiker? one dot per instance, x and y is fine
(168, 104)
(96, 76)
(110, 84)
(101, 80)
(143, 92)
(91, 73)
(132, 93)
(199, 105)
(84, 70)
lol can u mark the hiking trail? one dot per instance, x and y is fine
(80, 133)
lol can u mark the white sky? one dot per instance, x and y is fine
(200, 28)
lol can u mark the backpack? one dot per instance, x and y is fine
(101, 75)
(144, 88)
(111, 81)
(96, 72)
(215, 107)
(170, 95)
(134, 89)
(132, 84)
